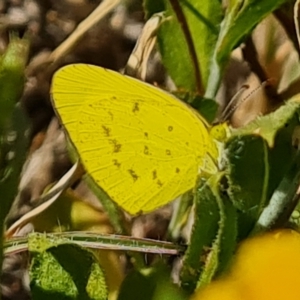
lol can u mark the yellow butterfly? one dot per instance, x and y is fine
(141, 145)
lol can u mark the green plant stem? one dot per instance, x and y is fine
(101, 241)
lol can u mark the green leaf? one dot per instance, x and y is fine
(165, 289)
(205, 228)
(137, 286)
(226, 240)
(224, 244)
(61, 270)
(279, 131)
(258, 157)
(283, 200)
(214, 232)
(202, 19)
(152, 7)
(208, 108)
(150, 284)
(58, 285)
(240, 19)
(248, 177)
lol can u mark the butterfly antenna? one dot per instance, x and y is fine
(230, 108)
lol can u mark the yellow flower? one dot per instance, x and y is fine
(266, 267)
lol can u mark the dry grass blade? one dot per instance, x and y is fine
(53, 194)
(137, 62)
(296, 19)
(100, 12)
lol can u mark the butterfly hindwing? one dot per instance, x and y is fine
(141, 145)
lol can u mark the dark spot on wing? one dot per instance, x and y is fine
(116, 163)
(133, 175)
(154, 174)
(159, 183)
(146, 150)
(168, 152)
(116, 145)
(106, 130)
(146, 134)
(170, 128)
(177, 170)
(136, 107)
